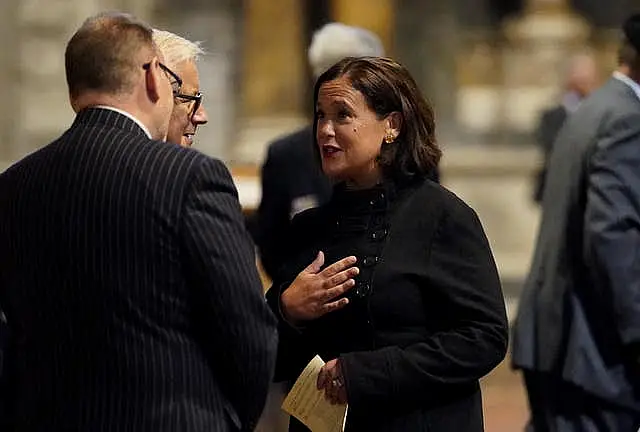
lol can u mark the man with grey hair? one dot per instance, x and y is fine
(188, 113)
(292, 180)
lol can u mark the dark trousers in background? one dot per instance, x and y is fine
(558, 406)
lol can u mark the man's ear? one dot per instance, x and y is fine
(394, 124)
(74, 104)
(153, 80)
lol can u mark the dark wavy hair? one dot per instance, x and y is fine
(387, 86)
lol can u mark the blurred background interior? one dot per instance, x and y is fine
(489, 67)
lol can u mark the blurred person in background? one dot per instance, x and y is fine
(127, 277)
(577, 333)
(392, 282)
(292, 180)
(581, 78)
(181, 55)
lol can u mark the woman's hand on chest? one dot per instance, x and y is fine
(315, 292)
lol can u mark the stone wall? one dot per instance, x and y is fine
(34, 33)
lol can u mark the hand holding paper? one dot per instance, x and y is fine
(331, 381)
(309, 405)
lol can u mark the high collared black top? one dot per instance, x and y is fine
(426, 318)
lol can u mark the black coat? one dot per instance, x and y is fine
(130, 289)
(427, 317)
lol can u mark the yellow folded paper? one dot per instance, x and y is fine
(308, 404)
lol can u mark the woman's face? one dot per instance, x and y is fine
(349, 134)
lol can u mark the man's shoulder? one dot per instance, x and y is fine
(612, 104)
(614, 96)
(26, 162)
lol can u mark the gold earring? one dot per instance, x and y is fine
(388, 137)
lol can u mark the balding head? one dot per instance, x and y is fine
(581, 74)
(112, 61)
(104, 54)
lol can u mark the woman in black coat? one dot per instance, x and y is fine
(408, 313)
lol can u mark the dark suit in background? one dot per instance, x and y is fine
(292, 181)
(130, 288)
(577, 334)
(551, 122)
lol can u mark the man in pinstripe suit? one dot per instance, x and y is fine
(126, 275)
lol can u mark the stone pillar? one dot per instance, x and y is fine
(426, 43)
(216, 23)
(272, 76)
(479, 77)
(36, 99)
(478, 73)
(42, 31)
(505, 88)
(374, 15)
(538, 42)
(9, 90)
(273, 67)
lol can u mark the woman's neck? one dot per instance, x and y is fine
(366, 182)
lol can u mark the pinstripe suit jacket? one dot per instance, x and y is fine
(130, 288)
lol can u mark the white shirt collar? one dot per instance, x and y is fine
(628, 81)
(126, 114)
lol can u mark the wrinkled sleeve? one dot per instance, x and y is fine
(612, 224)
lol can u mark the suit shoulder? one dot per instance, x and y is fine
(42, 154)
(609, 109)
(193, 157)
(203, 166)
(173, 159)
(614, 98)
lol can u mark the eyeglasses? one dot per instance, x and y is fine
(174, 79)
(197, 98)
